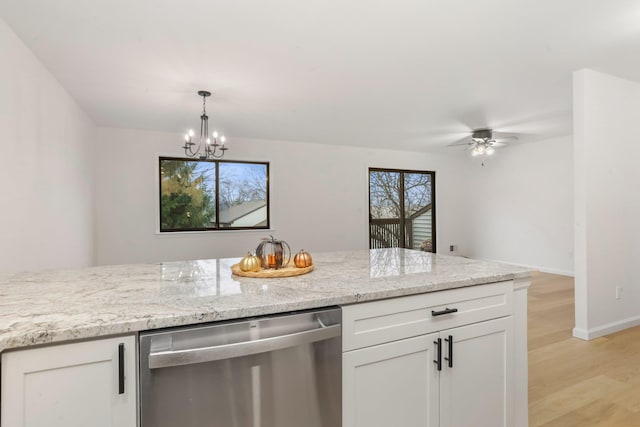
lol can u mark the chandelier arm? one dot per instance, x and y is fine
(202, 134)
(189, 152)
(192, 153)
(205, 135)
(197, 150)
(213, 154)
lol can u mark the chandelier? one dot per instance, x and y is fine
(211, 149)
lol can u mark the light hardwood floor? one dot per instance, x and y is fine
(574, 382)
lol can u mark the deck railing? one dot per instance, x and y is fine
(388, 233)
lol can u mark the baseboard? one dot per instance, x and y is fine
(534, 267)
(609, 328)
(581, 333)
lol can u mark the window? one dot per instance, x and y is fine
(198, 195)
(402, 209)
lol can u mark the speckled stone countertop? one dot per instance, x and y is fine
(55, 306)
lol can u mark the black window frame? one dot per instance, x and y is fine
(217, 196)
(402, 204)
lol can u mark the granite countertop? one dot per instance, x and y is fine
(54, 306)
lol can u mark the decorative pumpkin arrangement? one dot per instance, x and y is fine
(272, 258)
(302, 259)
(250, 262)
(274, 253)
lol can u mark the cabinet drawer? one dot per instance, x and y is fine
(377, 322)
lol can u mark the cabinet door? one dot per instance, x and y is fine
(70, 385)
(477, 390)
(394, 384)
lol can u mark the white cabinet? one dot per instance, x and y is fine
(90, 383)
(391, 374)
(477, 390)
(393, 384)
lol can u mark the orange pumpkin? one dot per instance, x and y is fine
(302, 259)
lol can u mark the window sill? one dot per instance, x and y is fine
(183, 233)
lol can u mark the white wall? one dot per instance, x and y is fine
(607, 203)
(319, 197)
(46, 193)
(522, 206)
(319, 192)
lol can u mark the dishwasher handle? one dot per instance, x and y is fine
(166, 359)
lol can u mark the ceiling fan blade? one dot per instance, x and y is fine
(460, 143)
(487, 137)
(505, 136)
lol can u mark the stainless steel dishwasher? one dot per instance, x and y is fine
(276, 371)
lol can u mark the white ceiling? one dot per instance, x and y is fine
(405, 74)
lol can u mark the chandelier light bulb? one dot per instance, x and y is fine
(215, 133)
(208, 141)
(223, 139)
(481, 149)
(186, 137)
(490, 150)
(474, 152)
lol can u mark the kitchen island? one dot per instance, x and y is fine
(65, 306)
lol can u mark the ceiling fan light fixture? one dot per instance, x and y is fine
(481, 143)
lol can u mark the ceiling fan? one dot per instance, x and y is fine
(483, 142)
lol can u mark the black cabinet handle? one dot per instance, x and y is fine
(450, 358)
(445, 311)
(438, 361)
(121, 368)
